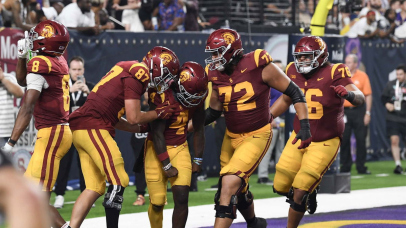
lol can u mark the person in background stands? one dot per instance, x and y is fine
(9, 89)
(357, 119)
(393, 97)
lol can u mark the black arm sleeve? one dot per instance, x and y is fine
(211, 115)
(294, 92)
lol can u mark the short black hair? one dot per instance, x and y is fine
(401, 67)
(77, 58)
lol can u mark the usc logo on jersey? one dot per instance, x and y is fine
(166, 58)
(48, 31)
(184, 76)
(228, 37)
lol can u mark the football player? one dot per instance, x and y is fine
(325, 85)
(94, 124)
(241, 84)
(47, 98)
(167, 153)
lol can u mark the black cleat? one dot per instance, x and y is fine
(259, 223)
(312, 202)
(398, 170)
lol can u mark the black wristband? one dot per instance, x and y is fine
(304, 124)
(351, 96)
(11, 141)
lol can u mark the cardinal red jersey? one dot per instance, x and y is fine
(245, 96)
(176, 126)
(52, 107)
(105, 104)
(326, 110)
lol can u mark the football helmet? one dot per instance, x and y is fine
(192, 84)
(310, 45)
(224, 45)
(163, 65)
(50, 37)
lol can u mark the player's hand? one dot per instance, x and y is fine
(165, 111)
(341, 91)
(172, 172)
(304, 134)
(23, 46)
(7, 148)
(196, 168)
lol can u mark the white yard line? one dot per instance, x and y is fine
(270, 208)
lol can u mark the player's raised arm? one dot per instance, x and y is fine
(275, 78)
(136, 116)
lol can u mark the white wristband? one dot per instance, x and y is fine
(167, 167)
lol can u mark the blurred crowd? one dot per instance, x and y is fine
(93, 16)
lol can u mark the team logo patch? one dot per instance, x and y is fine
(184, 76)
(321, 43)
(166, 58)
(229, 38)
(48, 31)
(293, 76)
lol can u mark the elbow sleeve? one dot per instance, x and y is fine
(211, 115)
(294, 92)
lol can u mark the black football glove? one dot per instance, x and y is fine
(304, 134)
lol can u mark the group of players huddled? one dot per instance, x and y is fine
(241, 86)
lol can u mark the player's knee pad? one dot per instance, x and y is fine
(279, 193)
(229, 211)
(302, 207)
(114, 197)
(245, 200)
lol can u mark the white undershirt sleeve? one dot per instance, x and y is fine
(36, 81)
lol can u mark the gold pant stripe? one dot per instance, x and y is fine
(110, 159)
(96, 145)
(52, 168)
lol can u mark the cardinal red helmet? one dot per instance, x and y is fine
(192, 84)
(163, 67)
(224, 45)
(50, 37)
(310, 45)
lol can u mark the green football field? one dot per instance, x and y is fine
(204, 196)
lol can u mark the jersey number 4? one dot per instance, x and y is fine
(241, 105)
(315, 108)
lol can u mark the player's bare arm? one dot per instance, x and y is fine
(124, 125)
(280, 105)
(198, 120)
(351, 93)
(275, 78)
(158, 138)
(21, 72)
(25, 114)
(136, 116)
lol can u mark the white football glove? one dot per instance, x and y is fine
(7, 148)
(23, 47)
